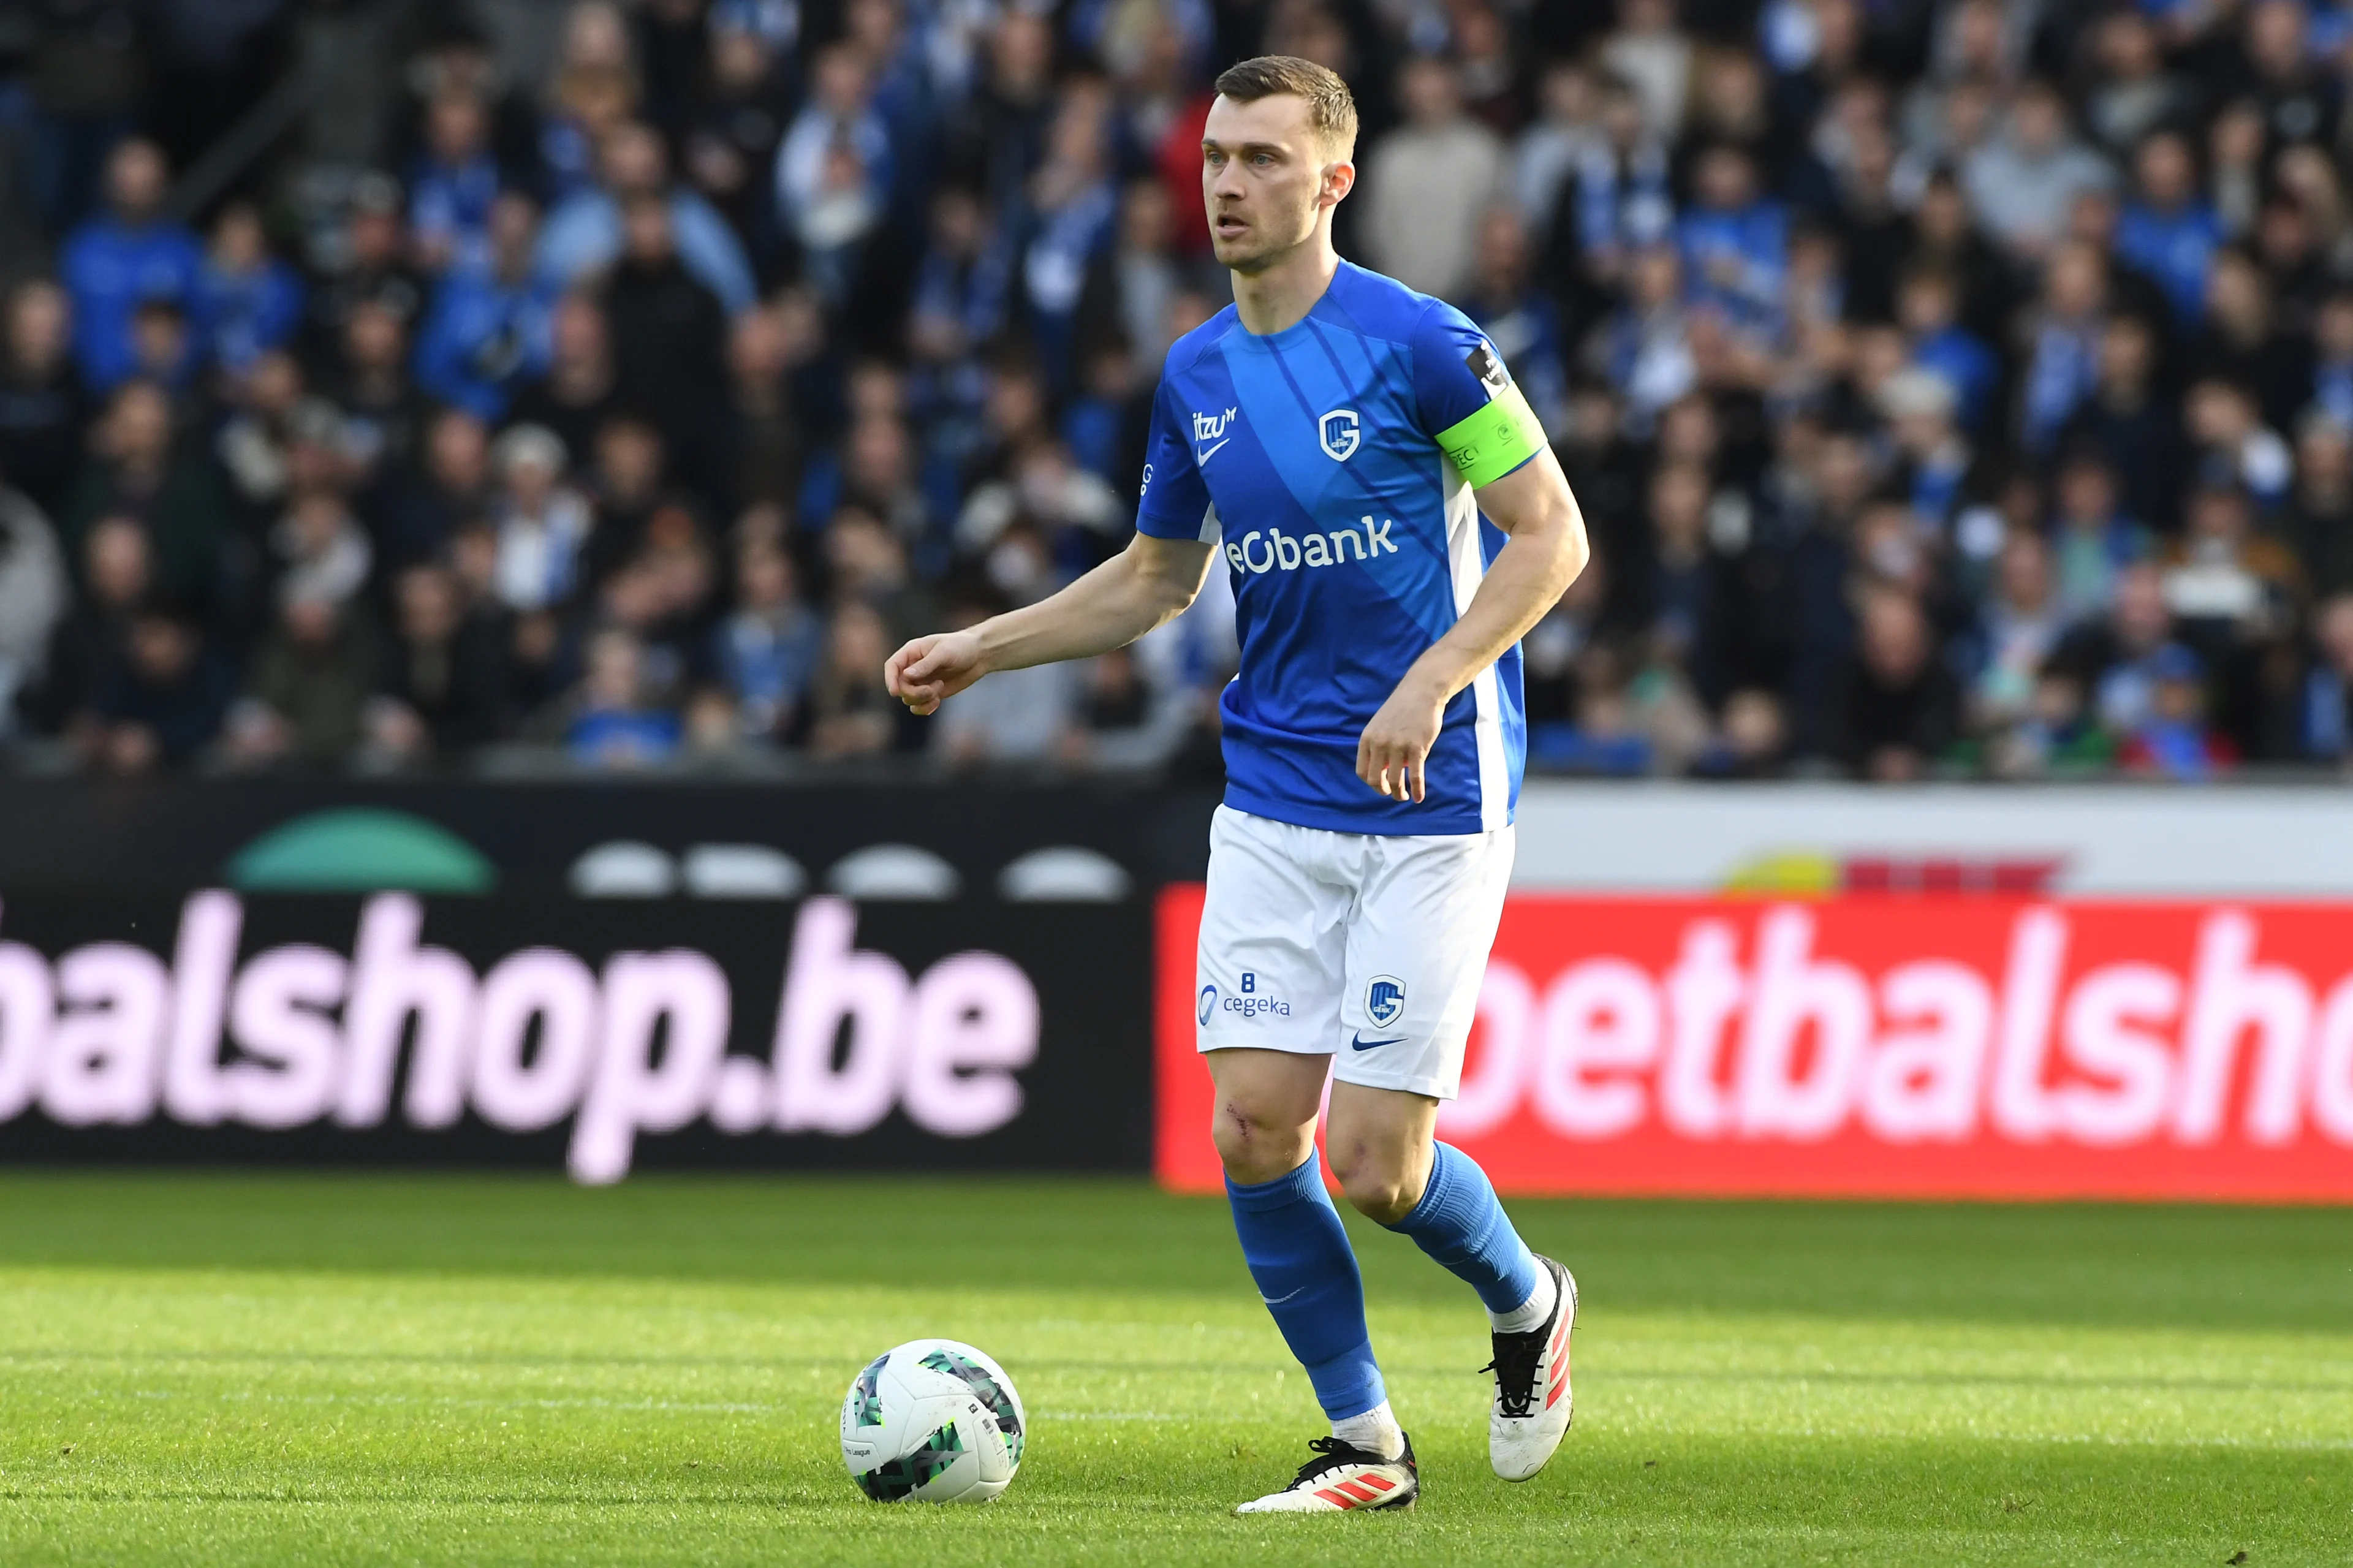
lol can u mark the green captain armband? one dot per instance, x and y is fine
(1496, 439)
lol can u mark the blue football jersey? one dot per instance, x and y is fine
(1332, 463)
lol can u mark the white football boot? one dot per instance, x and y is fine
(1533, 1402)
(1342, 1478)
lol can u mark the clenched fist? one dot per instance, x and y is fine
(930, 669)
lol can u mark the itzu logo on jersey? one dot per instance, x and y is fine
(1271, 550)
(1209, 433)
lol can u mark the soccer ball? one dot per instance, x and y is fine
(932, 1419)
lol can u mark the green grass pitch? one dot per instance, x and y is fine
(327, 1370)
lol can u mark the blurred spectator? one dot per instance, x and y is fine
(442, 685)
(321, 553)
(2023, 182)
(386, 412)
(869, 564)
(1524, 325)
(1566, 131)
(633, 503)
(245, 298)
(580, 390)
(587, 231)
(963, 286)
(1131, 286)
(42, 409)
(2020, 626)
(159, 701)
(1753, 740)
(2109, 657)
(2243, 346)
(1898, 710)
(2095, 541)
(1735, 243)
(736, 117)
(540, 526)
(2232, 443)
(2298, 100)
(2332, 371)
(1426, 184)
(768, 647)
(1073, 202)
(2134, 93)
(2326, 712)
(1649, 52)
(487, 333)
(114, 264)
(2170, 738)
(1928, 308)
(663, 598)
(2167, 232)
(453, 185)
(2062, 364)
(757, 460)
(308, 684)
(421, 505)
(1944, 239)
(591, 89)
(608, 722)
(366, 262)
(33, 597)
(851, 713)
(668, 332)
(256, 444)
(834, 170)
(2224, 575)
(136, 471)
(2318, 523)
(117, 576)
(2128, 422)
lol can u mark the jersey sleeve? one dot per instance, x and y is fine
(1469, 403)
(1173, 503)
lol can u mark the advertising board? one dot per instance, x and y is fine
(1986, 1048)
(583, 1034)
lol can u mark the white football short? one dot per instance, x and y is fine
(1367, 947)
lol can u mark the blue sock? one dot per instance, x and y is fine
(1459, 1223)
(1306, 1274)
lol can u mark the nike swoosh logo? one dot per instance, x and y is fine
(1363, 1044)
(1208, 452)
(1277, 1300)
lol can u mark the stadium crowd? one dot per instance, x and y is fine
(1951, 387)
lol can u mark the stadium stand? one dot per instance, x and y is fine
(1954, 388)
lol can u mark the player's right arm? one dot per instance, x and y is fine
(1111, 606)
(1154, 578)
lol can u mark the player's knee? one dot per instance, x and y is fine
(1379, 1187)
(1256, 1147)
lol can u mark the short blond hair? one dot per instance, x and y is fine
(1331, 107)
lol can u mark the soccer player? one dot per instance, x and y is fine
(1335, 437)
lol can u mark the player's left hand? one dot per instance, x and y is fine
(1395, 745)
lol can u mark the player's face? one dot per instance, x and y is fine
(1265, 178)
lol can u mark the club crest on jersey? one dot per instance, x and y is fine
(1340, 434)
(1384, 999)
